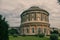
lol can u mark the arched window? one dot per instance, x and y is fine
(38, 30)
(44, 30)
(32, 30)
(27, 30)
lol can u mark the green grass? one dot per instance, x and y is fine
(27, 38)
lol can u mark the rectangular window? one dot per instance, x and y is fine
(38, 16)
(33, 17)
(26, 17)
(41, 17)
(29, 17)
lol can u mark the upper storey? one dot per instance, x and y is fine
(35, 14)
(34, 9)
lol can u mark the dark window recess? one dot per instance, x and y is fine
(32, 30)
(27, 30)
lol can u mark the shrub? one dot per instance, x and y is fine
(24, 35)
(15, 35)
(53, 37)
(59, 34)
(13, 32)
(41, 35)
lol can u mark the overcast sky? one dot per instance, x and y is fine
(12, 9)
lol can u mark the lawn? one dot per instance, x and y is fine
(28, 38)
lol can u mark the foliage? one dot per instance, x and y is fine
(13, 32)
(53, 37)
(41, 35)
(3, 29)
(24, 35)
(58, 0)
(59, 34)
(54, 32)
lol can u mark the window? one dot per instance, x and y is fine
(27, 30)
(38, 16)
(32, 30)
(44, 30)
(46, 18)
(26, 17)
(43, 18)
(38, 30)
(33, 17)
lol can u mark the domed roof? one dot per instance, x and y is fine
(34, 8)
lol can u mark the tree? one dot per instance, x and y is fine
(54, 32)
(3, 29)
(54, 35)
(58, 1)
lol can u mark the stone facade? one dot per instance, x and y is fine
(34, 21)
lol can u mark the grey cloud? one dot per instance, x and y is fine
(13, 8)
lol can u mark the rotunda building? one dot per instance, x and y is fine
(34, 21)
